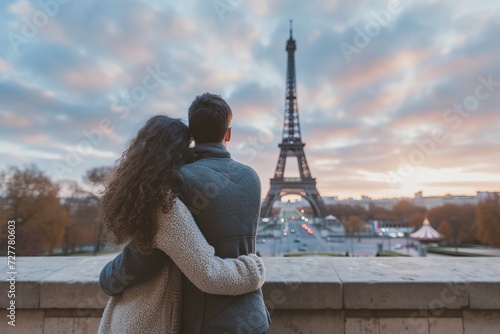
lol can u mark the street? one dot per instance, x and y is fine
(291, 237)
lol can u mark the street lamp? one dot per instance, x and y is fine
(407, 237)
(352, 245)
(97, 236)
(455, 232)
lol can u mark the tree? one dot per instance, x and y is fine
(28, 241)
(466, 223)
(344, 211)
(445, 229)
(53, 224)
(82, 209)
(460, 219)
(405, 209)
(354, 225)
(378, 213)
(488, 221)
(31, 199)
(416, 219)
(26, 192)
(96, 177)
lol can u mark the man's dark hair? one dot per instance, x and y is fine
(209, 118)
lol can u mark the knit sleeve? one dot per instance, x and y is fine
(181, 239)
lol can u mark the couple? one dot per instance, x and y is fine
(179, 274)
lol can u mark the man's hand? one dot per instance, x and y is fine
(129, 269)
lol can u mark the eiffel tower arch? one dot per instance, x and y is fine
(292, 146)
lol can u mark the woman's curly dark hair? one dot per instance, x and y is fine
(143, 180)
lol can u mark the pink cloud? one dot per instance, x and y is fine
(363, 74)
(15, 121)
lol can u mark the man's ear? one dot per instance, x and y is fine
(228, 135)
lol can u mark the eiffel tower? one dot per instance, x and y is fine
(292, 146)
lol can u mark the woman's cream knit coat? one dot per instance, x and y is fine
(155, 306)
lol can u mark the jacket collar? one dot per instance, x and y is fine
(210, 150)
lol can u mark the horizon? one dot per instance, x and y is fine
(393, 97)
(424, 195)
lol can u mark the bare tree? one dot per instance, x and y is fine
(31, 199)
(354, 225)
(488, 221)
(97, 177)
(81, 207)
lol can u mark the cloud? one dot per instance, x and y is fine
(359, 119)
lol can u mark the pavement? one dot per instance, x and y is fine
(291, 237)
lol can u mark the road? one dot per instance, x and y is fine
(291, 237)
(294, 233)
(300, 240)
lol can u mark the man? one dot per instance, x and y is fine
(224, 198)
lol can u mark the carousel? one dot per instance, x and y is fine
(426, 235)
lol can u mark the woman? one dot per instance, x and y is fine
(140, 204)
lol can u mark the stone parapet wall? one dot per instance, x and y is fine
(304, 295)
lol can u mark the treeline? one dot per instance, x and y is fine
(48, 224)
(458, 223)
(45, 222)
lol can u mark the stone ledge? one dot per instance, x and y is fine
(301, 283)
(305, 283)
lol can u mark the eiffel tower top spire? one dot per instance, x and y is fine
(291, 126)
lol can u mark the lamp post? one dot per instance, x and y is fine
(407, 223)
(352, 245)
(388, 235)
(97, 236)
(454, 224)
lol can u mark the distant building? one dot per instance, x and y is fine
(419, 200)
(434, 201)
(392, 229)
(364, 202)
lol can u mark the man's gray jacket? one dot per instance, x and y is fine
(224, 198)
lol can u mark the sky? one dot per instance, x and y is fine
(394, 97)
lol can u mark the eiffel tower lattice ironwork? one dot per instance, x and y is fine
(292, 146)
